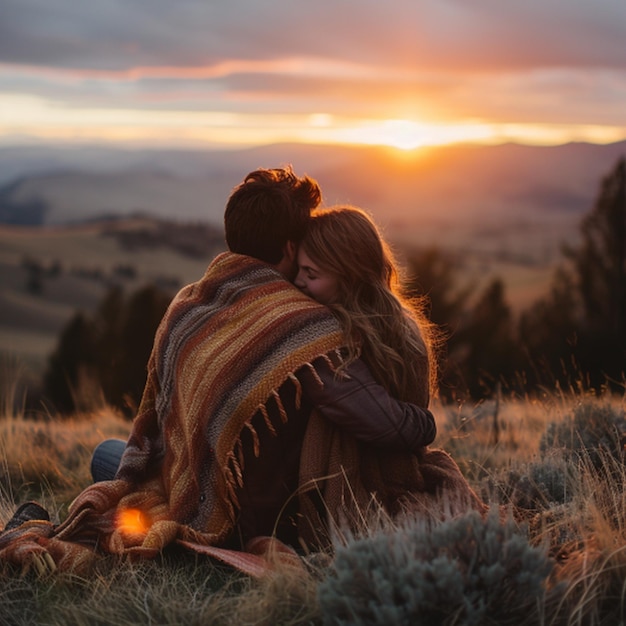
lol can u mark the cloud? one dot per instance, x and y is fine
(445, 61)
(427, 34)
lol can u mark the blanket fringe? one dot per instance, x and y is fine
(298, 385)
(238, 474)
(231, 485)
(255, 439)
(328, 360)
(239, 453)
(268, 422)
(315, 374)
(281, 408)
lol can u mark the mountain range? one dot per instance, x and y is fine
(45, 186)
(510, 202)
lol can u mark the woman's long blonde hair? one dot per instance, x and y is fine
(389, 331)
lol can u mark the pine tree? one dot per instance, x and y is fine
(579, 329)
(599, 266)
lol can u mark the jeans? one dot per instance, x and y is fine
(106, 459)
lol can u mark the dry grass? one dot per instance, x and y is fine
(585, 534)
(48, 460)
(176, 589)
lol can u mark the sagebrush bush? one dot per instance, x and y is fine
(536, 486)
(591, 432)
(551, 479)
(468, 571)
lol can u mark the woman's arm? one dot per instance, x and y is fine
(356, 403)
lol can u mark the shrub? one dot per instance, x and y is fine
(590, 433)
(538, 486)
(468, 571)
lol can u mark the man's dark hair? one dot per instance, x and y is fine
(268, 209)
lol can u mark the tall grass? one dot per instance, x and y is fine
(175, 589)
(48, 460)
(553, 466)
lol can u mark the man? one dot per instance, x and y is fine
(240, 362)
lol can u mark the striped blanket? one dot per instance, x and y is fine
(225, 346)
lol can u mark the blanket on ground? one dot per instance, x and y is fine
(224, 347)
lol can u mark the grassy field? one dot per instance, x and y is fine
(555, 461)
(48, 274)
(552, 467)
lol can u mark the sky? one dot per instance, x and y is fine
(240, 73)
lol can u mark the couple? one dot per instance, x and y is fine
(271, 407)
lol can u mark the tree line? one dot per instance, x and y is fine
(574, 336)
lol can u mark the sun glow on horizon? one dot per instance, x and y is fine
(401, 134)
(407, 135)
(30, 119)
(410, 135)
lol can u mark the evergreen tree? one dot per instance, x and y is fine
(600, 268)
(490, 349)
(434, 274)
(109, 350)
(579, 329)
(600, 261)
(134, 331)
(74, 360)
(549, 332)
(481, 347)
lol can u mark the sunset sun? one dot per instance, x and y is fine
(403, 134)
(407, 135)
(400, 134)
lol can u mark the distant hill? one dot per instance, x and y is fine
(503, 210)
(453, 184)
(43, 186)
(48, 274)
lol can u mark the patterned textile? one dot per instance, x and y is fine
(223, 349)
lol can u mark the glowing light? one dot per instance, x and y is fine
(27, 118)
(132, 522)
(403, 134)
(320, 120)
(409, 135)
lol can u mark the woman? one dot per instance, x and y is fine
(346, 264)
